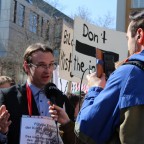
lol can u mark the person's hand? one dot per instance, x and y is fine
(93, 80)
(58, 114)
(4, 122)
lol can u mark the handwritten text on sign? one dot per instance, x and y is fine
(87, 38)
(66, 60)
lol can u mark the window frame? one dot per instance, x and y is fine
(33, 22)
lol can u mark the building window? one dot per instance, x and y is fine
(42, 26)
(29, 1)
(33, 22)
(57, 31)
(137, 4)
(0, 8)
(20, 14)
(15, 11)
(46, 30)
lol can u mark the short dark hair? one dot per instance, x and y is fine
(34, 48)
(137, 19)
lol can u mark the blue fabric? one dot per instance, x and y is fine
(100, 112)
(3, 138)
(41, 100)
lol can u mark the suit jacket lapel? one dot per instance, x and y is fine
(24, 102)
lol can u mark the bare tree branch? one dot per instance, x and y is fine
(106, 21)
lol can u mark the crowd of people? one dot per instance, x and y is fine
(111, 112)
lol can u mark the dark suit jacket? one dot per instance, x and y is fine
(16, 103)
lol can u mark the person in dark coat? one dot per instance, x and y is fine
(29, 99)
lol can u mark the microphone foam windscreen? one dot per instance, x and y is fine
(50, 89)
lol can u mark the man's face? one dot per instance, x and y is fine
(131, 42)
(37, 74)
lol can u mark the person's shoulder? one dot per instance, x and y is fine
(121, 74)
(130, 69)
(13, 88)
(127, 69)
(8, 90)
(126, 73)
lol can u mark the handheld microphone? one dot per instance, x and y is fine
(51, 92)
(58, 98)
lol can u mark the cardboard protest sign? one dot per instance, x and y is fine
(87, 38)
(65, 61)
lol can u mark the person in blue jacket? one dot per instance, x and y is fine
(113, 111)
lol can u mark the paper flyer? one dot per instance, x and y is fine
(39, 130)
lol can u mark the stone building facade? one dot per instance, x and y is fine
(23, 22)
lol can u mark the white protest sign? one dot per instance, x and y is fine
(62, 84)
(65, 61)
(87, 38)
(37, 129)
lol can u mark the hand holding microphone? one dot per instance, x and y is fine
(51, 92)
(58, 98)
(58, 114)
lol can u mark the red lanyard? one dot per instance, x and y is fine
(29, 99)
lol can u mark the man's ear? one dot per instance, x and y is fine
(26, 67)
(142, 41)
(140, 36)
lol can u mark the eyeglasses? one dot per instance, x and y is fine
(44, 66)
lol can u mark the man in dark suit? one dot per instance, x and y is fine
(29, 99)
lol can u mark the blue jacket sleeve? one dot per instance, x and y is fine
(99, 116)
(99, 113)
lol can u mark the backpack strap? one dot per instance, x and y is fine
(137, 63)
